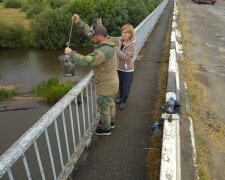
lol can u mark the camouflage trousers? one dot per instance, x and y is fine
(106, 109)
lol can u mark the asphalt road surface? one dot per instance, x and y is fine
(205, 25)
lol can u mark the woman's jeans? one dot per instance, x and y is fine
(125, 80)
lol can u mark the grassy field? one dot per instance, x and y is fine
(13, 16)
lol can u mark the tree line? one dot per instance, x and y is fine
(50, 20)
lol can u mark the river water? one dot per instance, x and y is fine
(23, 68)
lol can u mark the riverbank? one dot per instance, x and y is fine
(20, 99)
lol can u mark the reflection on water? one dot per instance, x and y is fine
(24, 68)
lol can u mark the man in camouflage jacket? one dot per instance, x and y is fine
(103, 62)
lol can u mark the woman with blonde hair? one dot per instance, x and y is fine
(125, 51)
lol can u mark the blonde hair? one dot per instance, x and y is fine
(130, 29)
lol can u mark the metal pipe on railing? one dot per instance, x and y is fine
(10, 174)
(66, 135)
(78, 119)
(92, 101)
(72, 127)
(88, 107)
(26, 167)
(82, 103)
(59, 144)
(50, 153)
(39, 160)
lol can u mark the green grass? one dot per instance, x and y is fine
(12, 16)
(52, 90)
(6, 93)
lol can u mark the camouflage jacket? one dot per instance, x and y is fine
(103, 62)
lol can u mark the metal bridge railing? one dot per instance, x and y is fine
(62, 133)
(53, 145)
(143, 30)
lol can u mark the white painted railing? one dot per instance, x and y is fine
(143, 30)
(52, 146)
(67, 127)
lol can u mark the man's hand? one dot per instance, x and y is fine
(67, 51)
(75, 18)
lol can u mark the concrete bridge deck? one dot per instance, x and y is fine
(122, 155)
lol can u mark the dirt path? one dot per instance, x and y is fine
(205, 31)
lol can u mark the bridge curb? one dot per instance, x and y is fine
(170, 157)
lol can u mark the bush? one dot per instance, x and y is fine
(33, 7)
(34, 10)
(52, 90)
(57, 92)
(156, 3)
(114, 14)
(6, 93)
(11, 35)
(12, 4)
(57, 3)
(41, 88)
(33, 2)
(51, 28)
(51, 20)
(137, 12)
(85, 8)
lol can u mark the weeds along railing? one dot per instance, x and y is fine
(65, 130)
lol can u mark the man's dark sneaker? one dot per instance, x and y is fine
(112, 125)
(118, 100)
(101, 132)
(122, 106)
